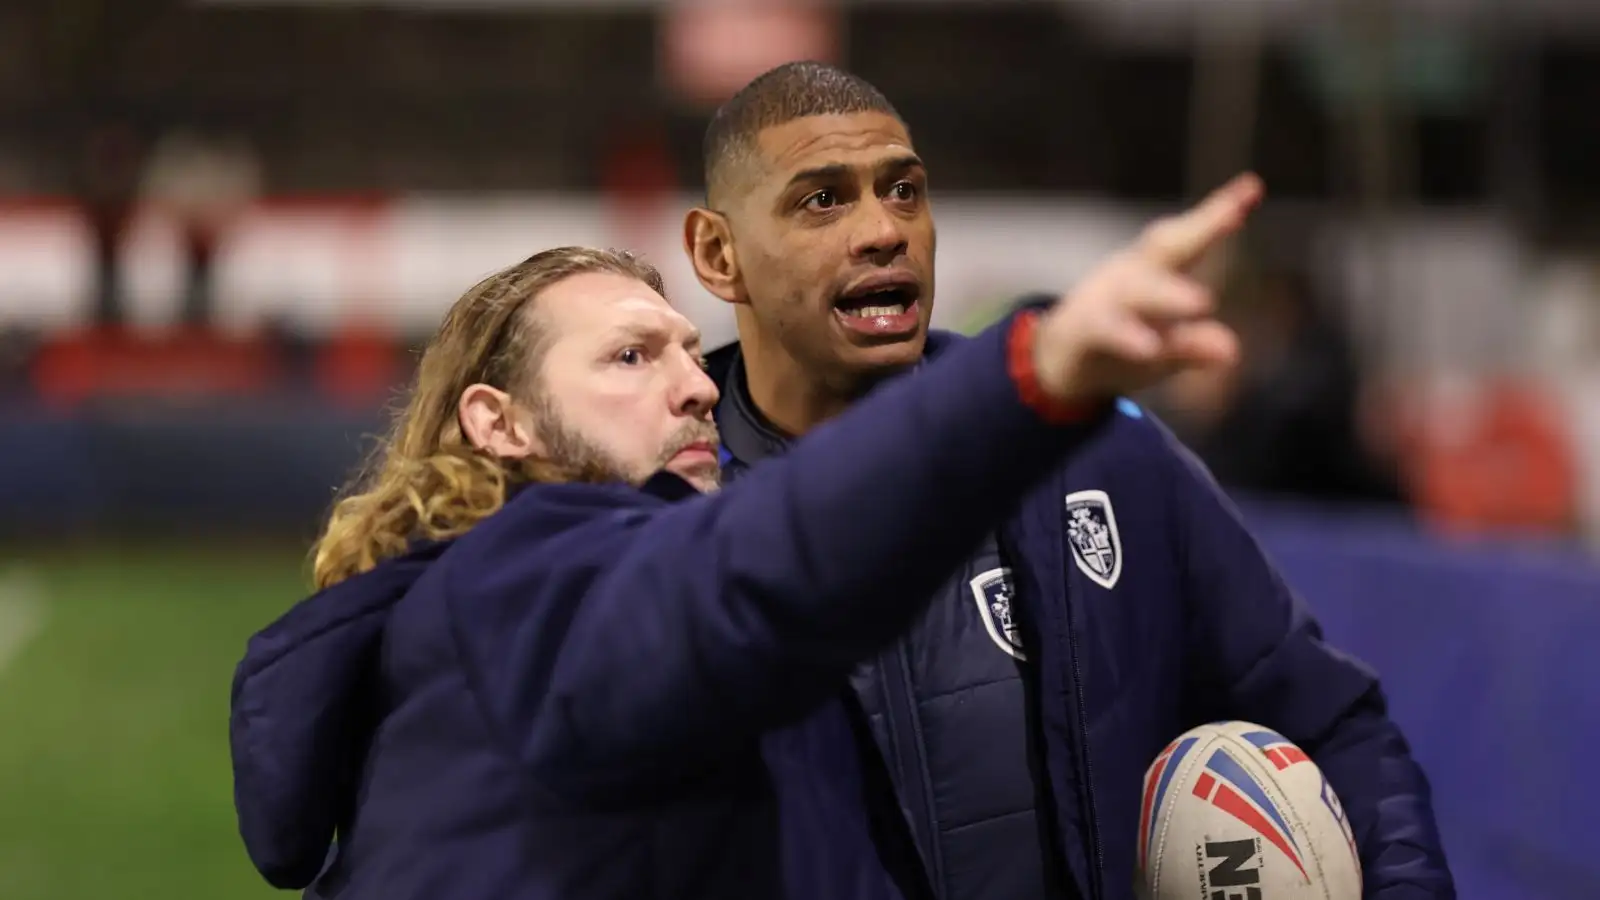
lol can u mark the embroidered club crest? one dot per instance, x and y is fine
(1092, 532)
(992, 591)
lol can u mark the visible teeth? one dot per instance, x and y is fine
(872, 312)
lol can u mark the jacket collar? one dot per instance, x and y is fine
(747, 435)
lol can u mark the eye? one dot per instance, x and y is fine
(904, 190)
(632, 356)
(705, 364)
(821, 201)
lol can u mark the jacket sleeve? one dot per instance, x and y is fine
(619, 642)
(1260, 657)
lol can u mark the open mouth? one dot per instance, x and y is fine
(888, 301)
(881, 306)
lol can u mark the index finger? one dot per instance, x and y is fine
(1179, 241)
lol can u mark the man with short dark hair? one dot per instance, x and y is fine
(779, 211)
(1123, 601)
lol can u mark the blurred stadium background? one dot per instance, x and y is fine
(226, 225)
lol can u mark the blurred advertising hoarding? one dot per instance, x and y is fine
(1439, 291)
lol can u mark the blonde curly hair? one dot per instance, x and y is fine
(425, 480)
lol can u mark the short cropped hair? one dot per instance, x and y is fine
(791, 91)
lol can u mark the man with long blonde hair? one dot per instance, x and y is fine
(548, 659)
(433, 478)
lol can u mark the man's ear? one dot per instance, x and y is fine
(709, 242)
(491, 421)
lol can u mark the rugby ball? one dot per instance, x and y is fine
(1233, 811)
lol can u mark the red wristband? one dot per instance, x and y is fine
(1019, 364)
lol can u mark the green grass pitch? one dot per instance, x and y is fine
(115, 668)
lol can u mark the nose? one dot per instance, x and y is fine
(880, 235)
(694, 394)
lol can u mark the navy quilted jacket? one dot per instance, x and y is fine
(1162, 614)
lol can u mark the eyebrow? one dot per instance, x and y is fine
(833, 171)
(645, 332)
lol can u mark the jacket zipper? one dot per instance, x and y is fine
(1092, 820)
(1097, 882)
(895, 667)
(1088, 768)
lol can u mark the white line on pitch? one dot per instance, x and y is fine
(24, 605)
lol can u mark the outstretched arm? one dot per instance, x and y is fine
(637, 640)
